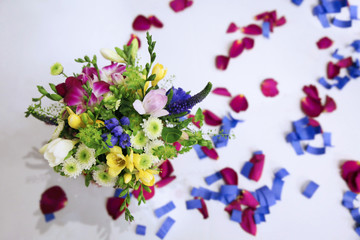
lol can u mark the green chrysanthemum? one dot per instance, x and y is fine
(139, 141)
(85, 156)
(152, 127)
(144, 161)
(72, 168)
(103, 178)
(56, 69)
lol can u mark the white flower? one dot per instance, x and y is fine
(85, 156)
(103, 178)
(56, 151)
(71, 167)
(58, 129)
(152, 145)
(139, 140)
(152, 127)
(111, 55)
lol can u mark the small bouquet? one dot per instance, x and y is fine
(116, 125)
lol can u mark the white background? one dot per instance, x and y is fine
(37, 33)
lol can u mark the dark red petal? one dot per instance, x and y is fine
(132, 37)
(349, 167)
(52, 200)
(248, 42)
(272, 16)
(252, 29)
(155, 22)
(221, 91)
(188, 3)
(248, 199)
(211, 153)
(258, 160)
(261, 15)
(195, 123)
(166, 169)
(61, 89)
(211, 119)
(236, 48)
(247, 221)
(324, 43)
(177, 146)
(222, 62)
(165, 181)
(239, 103)
(344, 63)
(330, 104)
(177, 5)
(203, 210)
(281, 21)
(313, 123)
(229, 175)
(147, 195)
(269, 88)
(232, 28)
(113, 205)
(141, 23)
(311, 92)
(236, 204)
(311, 107)
(332, 70)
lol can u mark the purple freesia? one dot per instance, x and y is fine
(153, 103)
(112, 74)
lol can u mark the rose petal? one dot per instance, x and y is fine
(165, 181)
(61, 89)
(332, 70)
(113, 205)
(177, 146)
(211, 119)
(311, 107)
(177, 5)
(248, 42)
(330, 104)
(221, 91)
(248, 199)
(269, 88)
(258, 160)
(229, 175)
(132, 37)
(155, 22)
(311, 91)
(147, 195)
(166, 169)
(236, 48)
(52, 200)
(222, 62)
(261, 16)
(232, 28)
(141, 23)
(344, 63)
(247, 221)
(236, 204)
(239, 103)
(203, 210)
(197, 124)
(211, 153)
(281, 21)
(313, 123)
(324, 43)
(188, 3)
(349, 167)
(252, 29)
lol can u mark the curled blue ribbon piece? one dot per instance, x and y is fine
(318, 10)
(306, 133)
(245, 171)
(258, 218)
(353, 72)
(195, 203)
(297, 2)
(323, 20)
(140, 230)
(297, 147)
(281, 173)
(164, 209)
(220, 140)
(332, 6)
(257, 153)
(310, 189)
(356, 45)
(118, 191)
(325, 84)
(49, 217)
(327, 139)
(199, 152)
(263, 210)
(315, 150)
(336, 55)
(266, 29)
(213, 178)
(269, 196)
(236, 216)
(277, 188)
(357, 230)
(341, 23)
(355, 214)
(215, 196)
(353, 12)
(228, 189)
(165, 227)
(342, 81)
(260, 198)
(201, 192)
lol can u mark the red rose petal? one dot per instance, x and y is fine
(236, 48)
(330, 104)
(232, 28)
(261, 16)
(239, 103)
(221, 91)
(324, 43)
(147, 195)
(188, 3)
(177, 146)
(247, 221)
(211, 153)
(177, 5)
(281, 21)
(252, 29)
(236, 204)
(211, 119)
(349, 167)
(203, 210)
(313, 123)
(132, 37)
(141, 23)
(155, 22)
(344, 63)
(248, 42)
(269, 88)
(332, 70)
(197, 124)
(312, 92)
(222, 62)
(113, 205)
(272, 16)
(165, 181)
(229, 175)
(166, 169)
(258, 160)
(248, 199)
(52, 200)
(311, 107)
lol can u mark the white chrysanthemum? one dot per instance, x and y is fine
(103, 178)
(152, 127)
(71, 167)
(117, 104)
(85, 156)
(152, 145)
(58, 129)
(139, 141)
(144, 161)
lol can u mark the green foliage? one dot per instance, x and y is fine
(167, 151)
(170, 135)
(91, 137)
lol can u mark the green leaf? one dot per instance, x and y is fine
(184, 123)
(199, 116)
(42, 90)
(55, 97)
(151, 78)
(170, 96)
(35, 99)
(171, 135)
(146, 188)
(87, 59)
(123, 193)
(87, 179)
(53, 87)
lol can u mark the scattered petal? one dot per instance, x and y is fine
(113, 205)
(211, 153)
(177, 146)
(350, 172)
(180, 5)
(248, 42)
(164, 181)
(132, 37)
(236, 48)
(52, 200)
(166, 169)
(247, 221)
(252, 29)
(248, 199)
(234, 205)
(155, 22)
(269, 88)
(221, 91)
(197, 124)
(258, 160)
(222, 62)
(324, 43)
(232, 28)
(332, 70)
(239, 103)
(311, 107)
(281, 21)
(211, 119)
(230, 176)
(141, 23)
(147, 195)
(203, 210)
(311, 91)
(344, 63)
(330, 104)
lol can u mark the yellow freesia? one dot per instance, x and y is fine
(160, 72)
(127, 177)
(147, 177)
(116, 161)
(74, 120)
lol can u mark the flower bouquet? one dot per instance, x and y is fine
(116, 125)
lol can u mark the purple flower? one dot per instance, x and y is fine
(117, 131)
(125, 121)
(113, 140)
(111, 123)
(153, 103)
(178, 95)
(112, 74)
(124, 140)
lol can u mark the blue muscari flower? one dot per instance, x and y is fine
(117, 131)
(178, 95)
(125, 121)
(111, 123)
(113, 140)
(124, 140)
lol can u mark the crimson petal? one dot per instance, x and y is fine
(232, 28)
(147, 195)
(221, 91)
(177, 146)
(252, 29)
(177, 5)
(258, 160)
(197, 124)
(312, 92)
(269, 88)
(166, 169)
(261, 16)
(239, 103)
(222, 62)
(330, 104)
(311, 107)
(141, 23)
(236, 48)
(344, 63)
(113, 205)
(132, 37)
(236, 204)
(281, 21)
(324, 43)
(52, 200)
(229, 175)
(332, 70)
(211, 153)
(61, 89)
(349, 167)
(247, 221)
(203, 210)
(165, 181)
(211, 119)
(188, 3)
(248, 199)
(248, 42)
(155, 22)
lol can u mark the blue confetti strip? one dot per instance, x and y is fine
(215, 196)
(201, 192)
(297, 2)
(258, 218)
(348, 199)
(277, 188)
(356, 45)
(195, 203)
(357, 230)
(165, 227)
(315, 150)
(297, 147)
(213, 178)
(353, 72)
(323, 20)
(49, 217)
(325, 84)
(318, 10)
(164, 209)
(355, 214)
(220, 140)
(245, 171)
(140, 230)
(199, 152)
(342, 81)
(306, 133)
(336, 55)
(341, 23)
(236, 216)
(282, 173)
(332, 7)
(258, 153)
(269, 196)
(353, 12)
(310, 189)
(327, 139)
(263, 210)
(266, 29)
(118, 191)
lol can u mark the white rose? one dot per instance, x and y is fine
(56, 151)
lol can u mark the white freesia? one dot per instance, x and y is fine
(111, 55)
(56, 151)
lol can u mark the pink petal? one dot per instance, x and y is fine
(52, 200)
(132, 37)
(165, 181)
(239, 103)
(232, 28)
(332, 70)
(252, 29)
(236, 204)
(229, 175)
(155, 22)
(166, 169)
(147, 195)
(344, 63)
(222, 62)
(324, 43)
(221, 91)
(248, 199)
(236, 48)
(312, 92)
(197, 124)
(330, 104)
(188, 3)
(349, 167)
(313, 123)
(281, 21)
(203, 210)
(211, 153)
(311, 107)
(248, 42)
(177, 146)
(61, 89)
(272, 16)
(261, 16)
(179, 5)
(100, 88)
(258, 160)
(113, 205)
(211, 119)
(74, 96)
(247, 221)
(141, 23)
(269, 88)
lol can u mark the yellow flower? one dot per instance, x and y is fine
(127, 177)
(116, 161)
(160, 72)
(147, 177)
(74, 120)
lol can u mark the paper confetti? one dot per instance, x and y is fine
(310, 189)
(159, 212)
(140, 230)
(165, 227)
